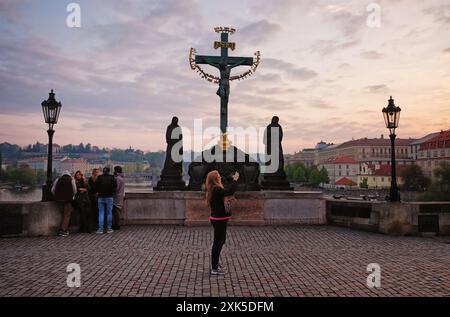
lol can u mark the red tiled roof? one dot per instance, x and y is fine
(344, 181)
(441, 141)
(385, 170)
(376, 142)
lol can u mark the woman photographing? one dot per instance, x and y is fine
(216, 195)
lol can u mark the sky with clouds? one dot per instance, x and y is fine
(125, 72)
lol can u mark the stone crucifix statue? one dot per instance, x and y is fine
(224, 64)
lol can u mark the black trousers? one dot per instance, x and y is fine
(94, 212)
(116, 212)
(220, 236)
(83, 205)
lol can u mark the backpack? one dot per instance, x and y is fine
(64, 189)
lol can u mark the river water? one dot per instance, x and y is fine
(35, 194)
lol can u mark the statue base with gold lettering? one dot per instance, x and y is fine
(226, 159)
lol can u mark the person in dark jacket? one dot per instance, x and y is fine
(105, 188)
(119, 197)
(216, 196)
(82, 202)
(64, 190)
(93, 197)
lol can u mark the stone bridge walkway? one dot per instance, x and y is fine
(261, 261)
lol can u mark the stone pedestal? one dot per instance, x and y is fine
(247, 210)
(170, 180)
(226, 162)
(275, 181)
(251, 208)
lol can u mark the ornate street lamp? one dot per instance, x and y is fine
(391, 116)
(51, 109)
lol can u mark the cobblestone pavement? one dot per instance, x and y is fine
(261, 261)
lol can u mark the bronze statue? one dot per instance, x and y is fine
(272, 127)
(173, 136)
(172, 173)
(274, 178)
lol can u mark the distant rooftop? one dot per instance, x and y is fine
(344, 181)
(376, 142)
(322, 145)
(385, 169)
(425, 138)
(440, 141)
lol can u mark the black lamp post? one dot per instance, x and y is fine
(51, 109)
(391, 116)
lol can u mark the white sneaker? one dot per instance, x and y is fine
(99, 231)
(219, 271)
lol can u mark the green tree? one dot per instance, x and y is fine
(10, 151)
(314, 177)
(442, 175)
(299, 174)
(23, 174)
(156, 159)
(296, 172)
(364, 183)
(414, 179)
(323, 174)
(41, 176)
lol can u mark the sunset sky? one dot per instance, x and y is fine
(124, 74)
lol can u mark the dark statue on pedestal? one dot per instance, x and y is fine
(226, 162)
(275, 177)
(172, 173)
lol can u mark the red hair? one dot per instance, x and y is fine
(212, 180)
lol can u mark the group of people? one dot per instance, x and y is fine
(104, 194)
(93, 198)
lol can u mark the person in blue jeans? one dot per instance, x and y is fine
(105, 188)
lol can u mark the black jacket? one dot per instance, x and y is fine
(218, 197)
(80, 185)
(105, 185)
(91, 189)
(64, 188)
